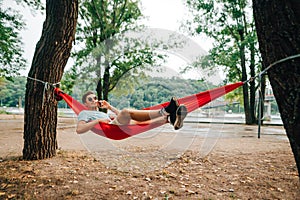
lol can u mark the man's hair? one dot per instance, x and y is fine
(85, 95)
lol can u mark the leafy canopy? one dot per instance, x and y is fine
(231, 26)
(106, 52)
(11, 60)
(11, 45)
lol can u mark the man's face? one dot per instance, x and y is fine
(91, 101)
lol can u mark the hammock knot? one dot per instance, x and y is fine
(47, 87)
(57, 94)
(250, 80)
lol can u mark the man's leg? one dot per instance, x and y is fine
(123, 117)
(144, 115)
(158, 120)
(155, 116)
(176, 112)
(126, 115)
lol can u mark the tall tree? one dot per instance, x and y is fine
(108, 55)
(231, 27)
(278, 30)
(50, 58)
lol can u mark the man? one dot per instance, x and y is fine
(87, 119)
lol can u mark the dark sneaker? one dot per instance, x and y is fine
(180, 115)
(173, 105)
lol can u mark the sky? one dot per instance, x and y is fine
(161, 14)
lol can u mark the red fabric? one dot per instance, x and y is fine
(119, 132)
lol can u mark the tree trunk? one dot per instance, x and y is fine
(244, 78)
(106, 82)
(50, 58)
(99, 88)
(278, 30)
(263, 96)
(252, 83)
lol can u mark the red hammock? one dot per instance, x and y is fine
(119, 132)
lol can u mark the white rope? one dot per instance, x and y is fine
(52, 84)
(259, 76)
(46, 87)
(271, 65)
(279, 61)
(260, 115)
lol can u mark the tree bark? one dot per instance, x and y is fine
(252, 83)
(50, 58)
(278, 30)
(248, 118)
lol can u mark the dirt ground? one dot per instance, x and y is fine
(201, 161)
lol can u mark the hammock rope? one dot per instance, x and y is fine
(260, 101)
(46, 87)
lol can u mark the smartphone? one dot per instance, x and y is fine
(100, 103)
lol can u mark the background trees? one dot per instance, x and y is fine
(12, 92)
(108, 53)
(230, 24)
(11, 45)
(278, 30)
(152, 91)
(11, 50)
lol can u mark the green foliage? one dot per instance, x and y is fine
(146, 92)
(11, 91)
(11, 61)
(231, 25)
(155, 90)
(101, 20)
(109, 54)
(68, 80)
(223, 21)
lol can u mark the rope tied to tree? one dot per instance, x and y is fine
(271, 65)
(260, 101)
(47, 86)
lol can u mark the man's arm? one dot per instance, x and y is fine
(105, 104)
(83, 126)
(113, 109)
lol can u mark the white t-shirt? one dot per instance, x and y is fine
(89, 115)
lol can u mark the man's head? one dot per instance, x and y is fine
(84, 97)
(90, 100)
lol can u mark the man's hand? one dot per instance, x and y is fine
(103, 104)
